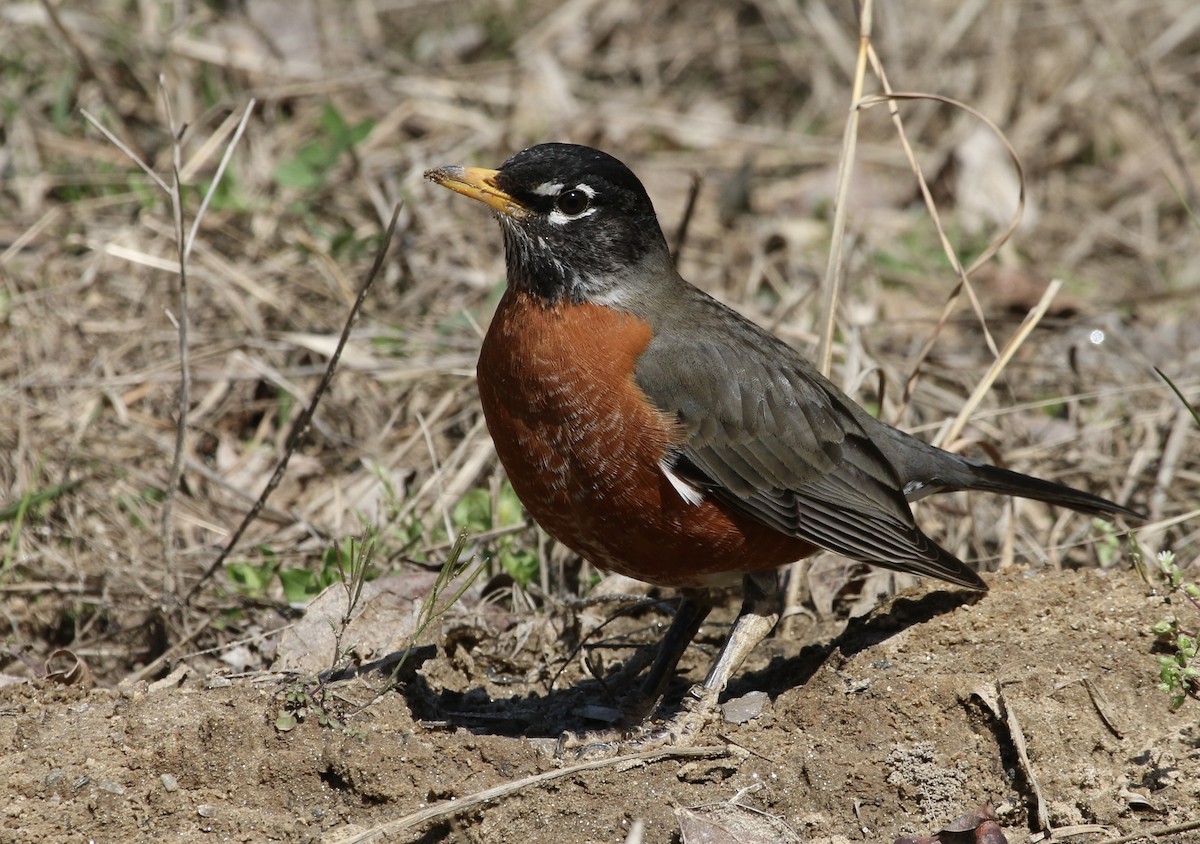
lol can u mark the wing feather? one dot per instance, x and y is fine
(772, 439)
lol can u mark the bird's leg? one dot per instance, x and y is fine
(760, 611)
(693, 609)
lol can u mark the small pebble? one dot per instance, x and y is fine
(745, 708)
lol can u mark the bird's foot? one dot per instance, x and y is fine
(696, 711)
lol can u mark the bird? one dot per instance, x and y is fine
(661, 435)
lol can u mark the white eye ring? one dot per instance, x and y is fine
(577, 206)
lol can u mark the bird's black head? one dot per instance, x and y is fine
(578, 225)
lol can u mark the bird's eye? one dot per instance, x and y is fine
(572, 202)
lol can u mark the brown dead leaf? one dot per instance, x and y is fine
(68, 669)
(384, 622)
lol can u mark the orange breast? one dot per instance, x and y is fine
(582, 443)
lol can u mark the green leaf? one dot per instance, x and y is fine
(318, 156)
(332, 121)
(250, 578)
(522, 565)
(285, 722)
(298, 584)
(1162, 628)
(473, 512)
(359, 133)
(296, 174)
(509, 509)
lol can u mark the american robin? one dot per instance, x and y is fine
(661, 435)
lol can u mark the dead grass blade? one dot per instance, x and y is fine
(1161, 832)
(1191, 408)
(963, 274)
(951, 434)
(833, 270)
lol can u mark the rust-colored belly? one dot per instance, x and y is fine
(581, 444)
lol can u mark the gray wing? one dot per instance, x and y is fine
(771, 438)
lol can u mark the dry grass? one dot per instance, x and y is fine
(1098, 99)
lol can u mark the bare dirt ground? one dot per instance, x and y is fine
(885, 730)
(153, 692)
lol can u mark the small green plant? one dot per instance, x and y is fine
(312, 697)
(433, 607)
(311, 167)
(351, 561)
(1179, 669)
(300, 584)
(29, 504)
(1107, 543)
(311, 172)
(313, 700)
(474, 514)
(253, 579)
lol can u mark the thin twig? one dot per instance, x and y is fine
(300, 428)
(182, 324)
(1186, 826)
(123, 147)
(797, 572)
(182, 320)
(216, 180)
(992, 696)
(681, 233)
(931, 207)
(450, 808)
(833, 270)
(994, 246)
(188, 636)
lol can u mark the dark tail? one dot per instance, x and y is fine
(987, 478)
(926, 469)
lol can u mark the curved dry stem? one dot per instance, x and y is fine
(992, 248)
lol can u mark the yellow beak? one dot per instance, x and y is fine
(477, 183)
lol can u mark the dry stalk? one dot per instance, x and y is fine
(450, 808)
(833, 270)
(963, 274)
(182, 322)
(837, 254)
(1010, 348)
(300, 428)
